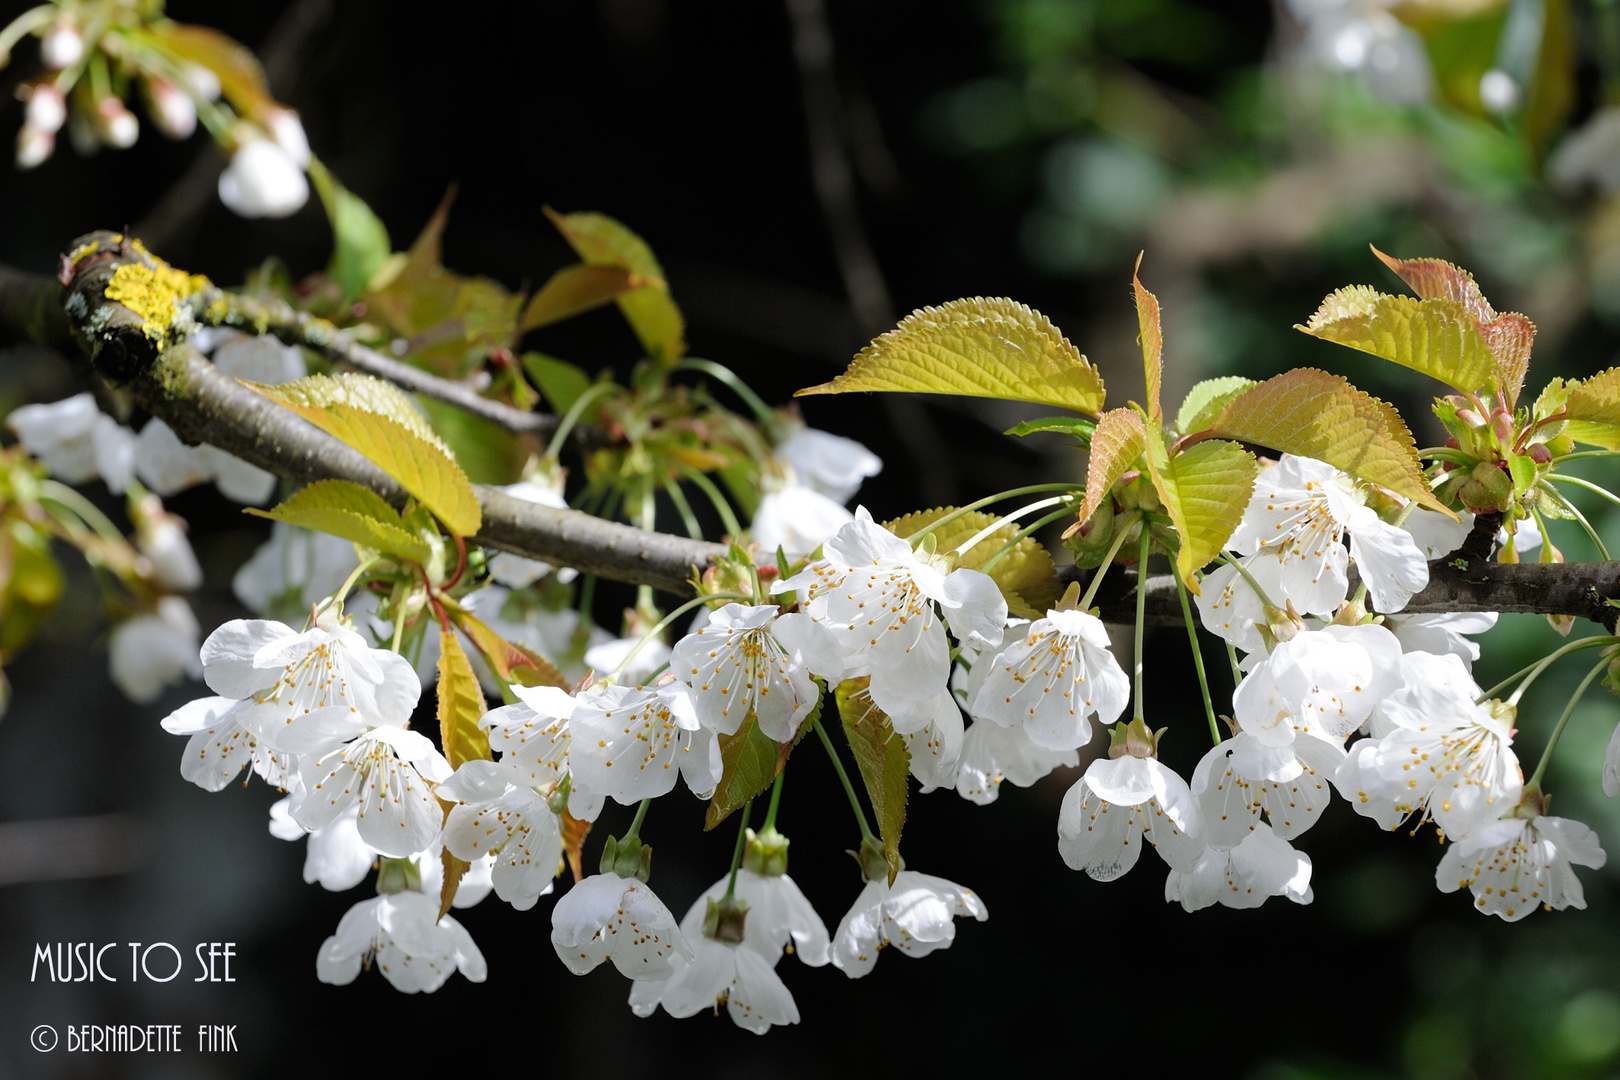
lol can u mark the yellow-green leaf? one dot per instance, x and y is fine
(360, 244)
(1205, 488)
(1593, 408)
(1205, 401)
(241, 79)
(750, 761)
(511, 661)
(884, 762)
(562, 383)
(461, 705)
(647, 307)
(1439, 338)
(575, 289)
(1150, 335)
(1025, 574)
(992, 348)
(1315, 414)
(421, 467)
(366, 392)
(454, 868)
(1115, 446)
(1080, 429)
(356, 513)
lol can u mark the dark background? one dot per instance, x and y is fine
(686, 121)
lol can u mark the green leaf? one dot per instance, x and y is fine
(30, 584)
(454, 869)
(1118, 441)
(1150, 335)
(356, 513)
(1314, 414)
(360, 243)
(1592, 405)
(1205, 488)
(576, 289)
(648, 308)
(884, 762)
(561, 382)
(992, 348)
(1025, 574)
(1069, 425)
(1553, 90)
(1205, 401)
(1439, 338)
(486, 452)
(421, 467)
(461, 705)
(750, 761)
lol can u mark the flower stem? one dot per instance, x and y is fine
(87, 512)
(990, 564)
(730, 378)
(1141, 613)
(1108, 560)
(663, 624)
(1033, 489)
(737, 852)
(1581, 482)
(684, 508)
(776, 800)
(1231, 657)
(1591, 533)
(843, 778)
(343, 590)
(571, 417)
(635, 824)
(1198, 661)
(1243, 571)
(988, 530)
(728, 517)
(1558, 729)
(1533, 672)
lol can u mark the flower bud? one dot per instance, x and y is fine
(62, 46)
(46, 110)
(1540, 454)
(1502, 426)
(1471, 418)
(201, 81)
(263, 181)
(33, 146)
(171, 109)
(288, 132)
(116, 125)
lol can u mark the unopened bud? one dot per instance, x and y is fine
(33, 146)
(1471, 418)
(288, 132)
(46, 110)
(115, 124)
(1502, 426)
(171, 109)
(1540, 454)
(62, 46)
(202, 81)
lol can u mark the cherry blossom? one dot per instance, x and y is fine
(1053, 680)
(220, 747)
(263, 180)
(828, 464)
(1519, 862)
(608, 917)
(992, 754)
(1232, 801)
(386, 772)
(497, 814)
(736, 666)
(1262, 866)
(916, 915)
(153, 651)
(796, 519)
(1123, 799)
(404, 936)
(630, 743)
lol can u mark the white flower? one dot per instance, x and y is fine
(168, 466)
(1514, 864)
(738, 973)
(877, 597)
(992, 754)
(1300, 509)
(335, 856)
(313, 689)
(115, 124)
(796, 519)
(827, 463)
(384, 771)
(114, 446)
(171, 109)
(1109, 810)
(292, 570)
(496, 813)
(34, 147)
(161, 538)
(736, 665)
(220, 747)
(263, 180)
(1443, 755)
(151, 652)
(1053, 680)
(1261, 866)
(60, 435)
(629, 743)
(933, 733)
(1321, 682)
(779, 916)
(1441, 633)
(914, 915)
(477, 881)
(606, 656)
(260, 358)
(551, 633)
(1231, 801)
(46, 110)
(533, 737)
(1438, 535)
(608, 917)
(1229, 607)
(288, 132)
(403, 934)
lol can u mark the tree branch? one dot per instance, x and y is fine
(301, 328)
(203, 405)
